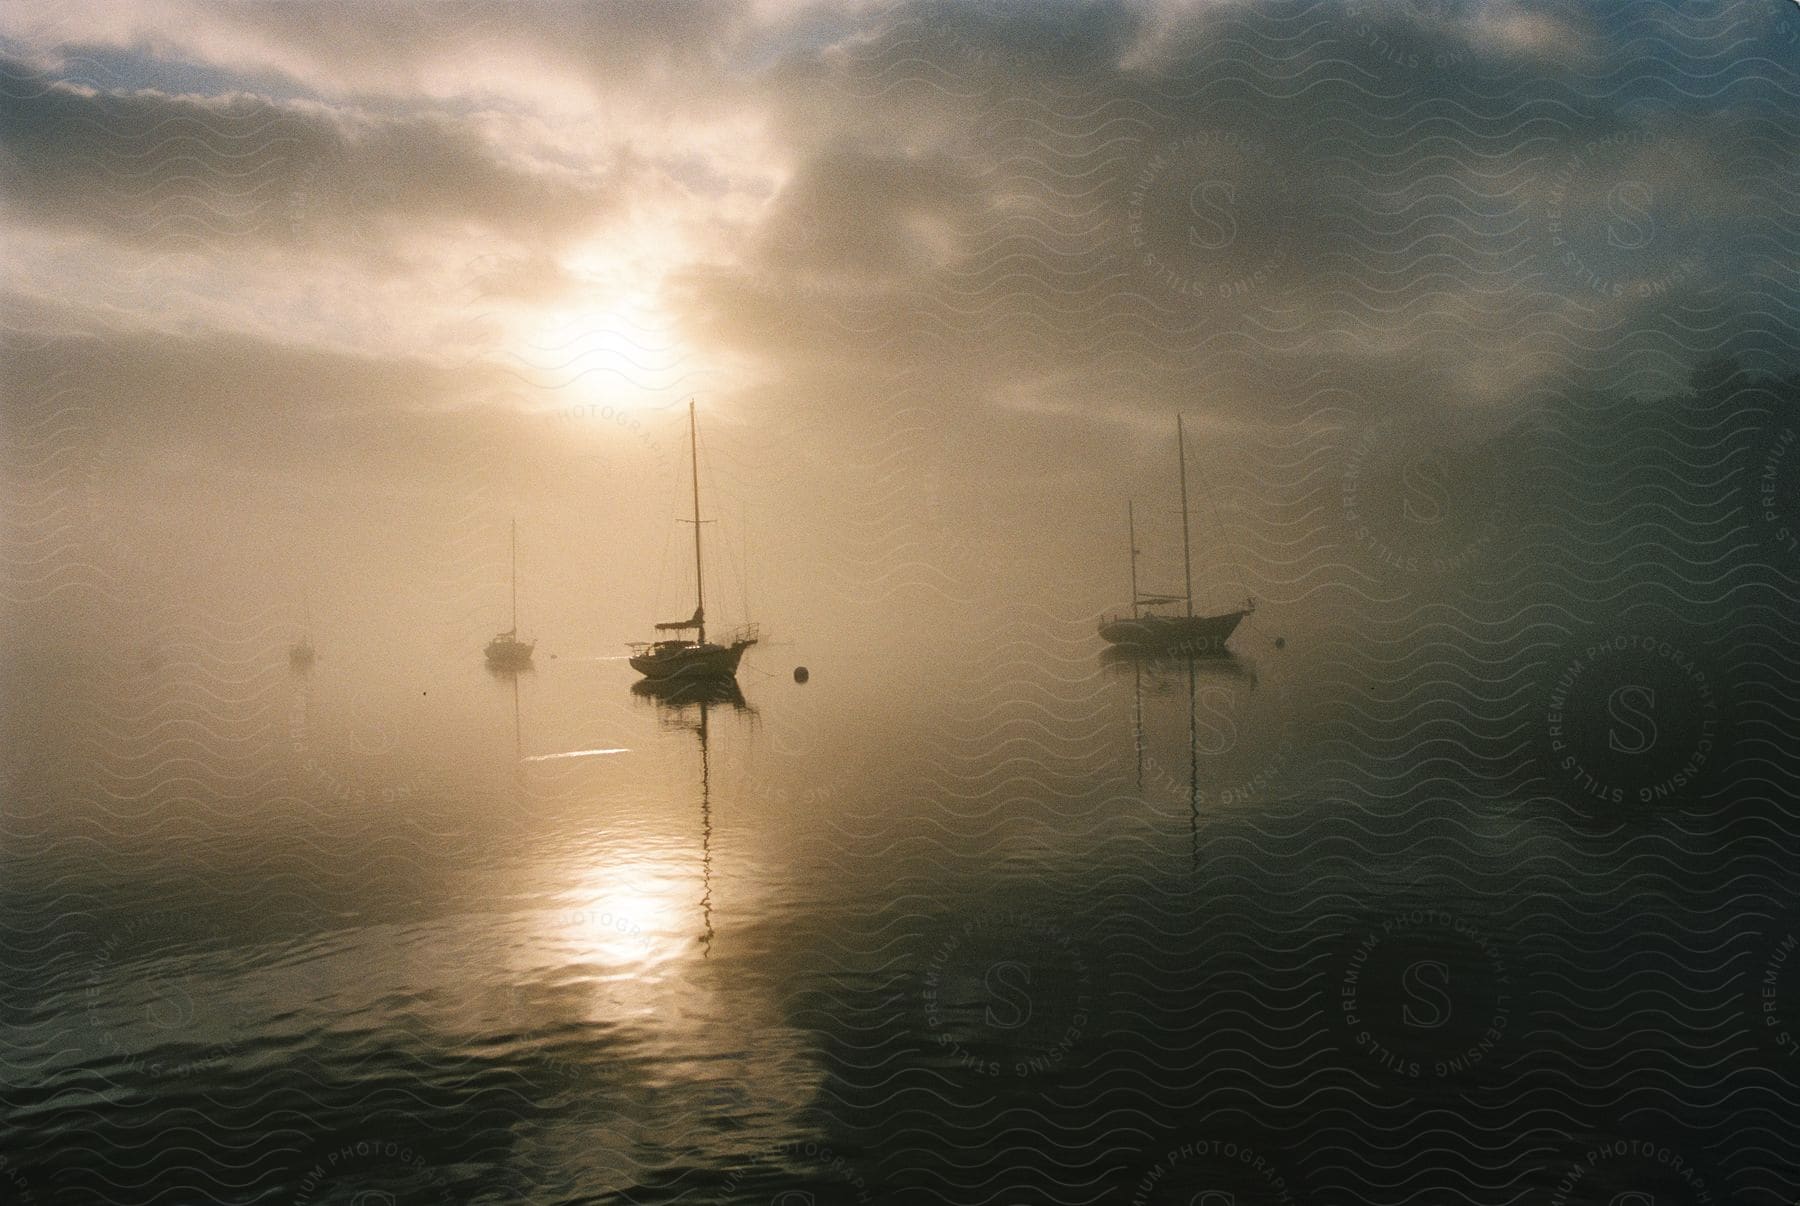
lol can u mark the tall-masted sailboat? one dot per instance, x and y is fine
(506, 651)
(678, 657)
(1154, 632)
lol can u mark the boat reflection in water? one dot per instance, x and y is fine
(1167, 670)
(685, 702)
(1165, 674)
(510, 675)
(674, 697)
(302, 654)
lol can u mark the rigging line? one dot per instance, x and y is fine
(1251, 620)
(735, 567)
(712, 483)
(1212, 503)
(702, 456)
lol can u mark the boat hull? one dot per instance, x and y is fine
(706, 661)
(505, 654)
(1173, 634)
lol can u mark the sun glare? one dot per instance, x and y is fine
(616, 354)
(634, 919)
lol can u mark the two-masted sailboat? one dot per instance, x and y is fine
(679, 657)
(506, 651)
(1155, 632)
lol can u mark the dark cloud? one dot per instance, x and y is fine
(1355, 241)
(196, 172)
(1440, 201)
(608, 45)
(229, 393)
(401, 51)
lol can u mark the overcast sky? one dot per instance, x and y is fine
(293, 288)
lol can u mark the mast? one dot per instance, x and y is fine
(515, 576)
(1187, 560)
(694, 464)
(1131, 535)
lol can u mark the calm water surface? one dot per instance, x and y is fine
(1001, 922)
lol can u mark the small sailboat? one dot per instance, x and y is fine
(679, 657)
(1154, 631)
(301, 653)
(506, 651)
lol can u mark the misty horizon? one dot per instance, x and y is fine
(1384, 790)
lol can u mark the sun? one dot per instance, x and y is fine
(607, 356)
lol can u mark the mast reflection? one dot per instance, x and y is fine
(1166, 673)
(510, 676)
(676, 700)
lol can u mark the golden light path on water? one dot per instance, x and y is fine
(634, 915)
(627, 955)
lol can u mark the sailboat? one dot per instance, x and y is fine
(679, 657)
(1154, 631)
(506, 651)
(301, 653)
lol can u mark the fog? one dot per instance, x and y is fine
(294, 316)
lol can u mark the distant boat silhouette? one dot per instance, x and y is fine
(679, 657)
(506, 651)
(1154, 632)
(301, 653)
